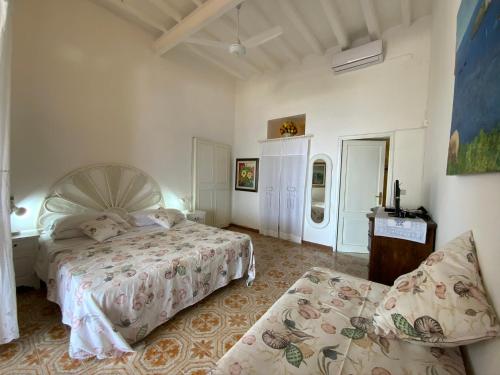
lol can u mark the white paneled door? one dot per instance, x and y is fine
(361, 187)
(212, 181)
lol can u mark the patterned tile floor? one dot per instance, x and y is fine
(189, 343)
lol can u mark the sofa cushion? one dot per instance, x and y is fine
(442, 302)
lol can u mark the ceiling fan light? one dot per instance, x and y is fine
(237, 49)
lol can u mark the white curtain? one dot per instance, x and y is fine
(8, 309)
(269, 181)
(283, 169)
(294, 155)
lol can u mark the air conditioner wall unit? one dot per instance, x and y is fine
(358, 57)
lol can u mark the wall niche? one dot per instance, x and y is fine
(293, 126)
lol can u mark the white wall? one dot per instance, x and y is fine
(88, 88)
(460, 203)
(379, 99)
(409, 166)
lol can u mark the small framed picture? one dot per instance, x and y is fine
(247, 174)
(318, 178)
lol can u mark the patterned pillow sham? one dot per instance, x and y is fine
(69, 226)
(168, 217)
(442, 302)
(102, 228)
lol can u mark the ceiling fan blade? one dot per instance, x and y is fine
(207, 42)
(263, 37)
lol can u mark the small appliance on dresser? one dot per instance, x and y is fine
(24, 249)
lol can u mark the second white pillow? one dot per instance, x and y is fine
(167, 218)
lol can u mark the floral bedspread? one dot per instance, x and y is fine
(323, 325)
(113, 294)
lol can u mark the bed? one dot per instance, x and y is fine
(322, 325)
(112, 294)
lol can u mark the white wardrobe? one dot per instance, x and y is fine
(282, 180)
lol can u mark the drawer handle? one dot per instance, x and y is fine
(14, 245)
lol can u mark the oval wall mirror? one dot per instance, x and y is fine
(319, 186)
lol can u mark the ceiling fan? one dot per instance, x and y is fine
(239, 48)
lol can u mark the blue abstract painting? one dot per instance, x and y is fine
(475, 129)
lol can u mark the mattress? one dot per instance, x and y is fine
(323, 325)
(114, 293)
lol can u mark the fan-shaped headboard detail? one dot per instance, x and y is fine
(102, 187)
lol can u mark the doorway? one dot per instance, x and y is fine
(364, 176)
(212, 181)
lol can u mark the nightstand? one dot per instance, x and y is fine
(197, 216)
(393, 257)
(24, 251)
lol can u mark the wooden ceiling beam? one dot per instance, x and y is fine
(332, 14)
(406, 13)
(138, 14)
(167, 9)
(195, 21)
(283, 44)
(371, 19)
(297, 21)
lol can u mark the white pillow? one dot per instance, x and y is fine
(102, 228)
(162, 218)
(69, 226)
(167, 218)
(176, 215)
(141, 218)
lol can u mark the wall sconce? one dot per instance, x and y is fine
(19, 211)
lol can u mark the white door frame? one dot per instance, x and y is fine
(336, 189)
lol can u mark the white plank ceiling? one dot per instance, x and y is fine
(310, 27)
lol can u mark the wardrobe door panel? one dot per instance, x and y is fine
(293, 180)
(269, 191)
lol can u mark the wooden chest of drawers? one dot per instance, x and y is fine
(392, 257)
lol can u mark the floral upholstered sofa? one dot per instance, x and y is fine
(333, 323)
(323, 325)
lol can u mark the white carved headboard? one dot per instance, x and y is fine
(102, 187)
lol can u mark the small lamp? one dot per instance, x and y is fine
(18, 211)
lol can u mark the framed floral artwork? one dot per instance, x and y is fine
(247, 174)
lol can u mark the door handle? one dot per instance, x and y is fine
(379, 196)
